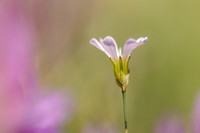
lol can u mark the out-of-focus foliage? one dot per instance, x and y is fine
(164, 73)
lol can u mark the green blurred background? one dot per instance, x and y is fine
(164, 72)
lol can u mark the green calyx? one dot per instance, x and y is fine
(121, 72)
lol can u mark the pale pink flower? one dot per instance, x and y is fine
(109, 47)
(119, 60)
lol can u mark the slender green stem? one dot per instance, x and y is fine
(124, 108)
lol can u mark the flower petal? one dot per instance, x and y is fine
(110, 47)
(131, 44)
(94, 42)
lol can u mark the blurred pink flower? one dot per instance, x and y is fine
(171, 123)
(99, 129)
(196, 114)
(24, 109)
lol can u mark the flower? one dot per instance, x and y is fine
(16, 44)
(171, 123)
(99, 128)
(24, 108)
(196, 114)
(119, 60)
(45, 113)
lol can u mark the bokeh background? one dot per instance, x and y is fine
(164, 72)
